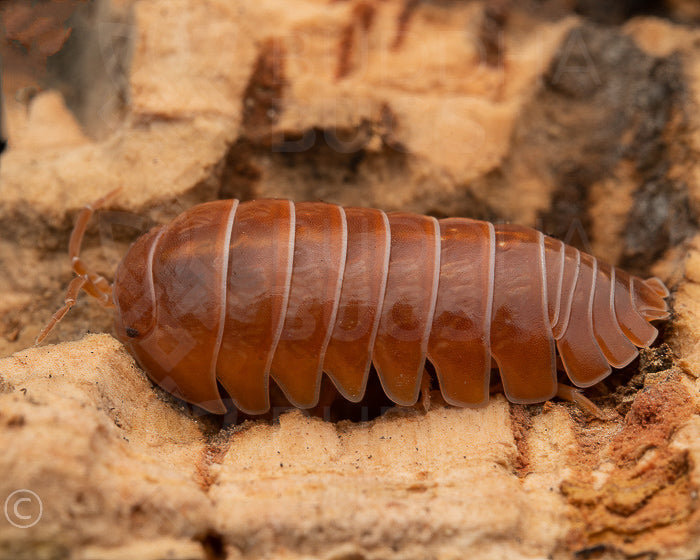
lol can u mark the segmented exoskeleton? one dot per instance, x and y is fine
(235, 293)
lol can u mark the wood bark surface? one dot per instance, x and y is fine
(578, 118)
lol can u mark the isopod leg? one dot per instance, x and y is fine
(424, 401)
(92, 283)
(571, 394)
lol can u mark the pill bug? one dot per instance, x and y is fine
(232, 293)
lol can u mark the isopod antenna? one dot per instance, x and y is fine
(94, 284)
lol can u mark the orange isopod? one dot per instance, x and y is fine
(238, 292)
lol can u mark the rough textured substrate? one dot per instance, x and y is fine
(583, 124)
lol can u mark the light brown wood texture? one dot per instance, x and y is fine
(117, 463)
(501, 112)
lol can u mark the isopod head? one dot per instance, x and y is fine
(168, 294)
(132, 293)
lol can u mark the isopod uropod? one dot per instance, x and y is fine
(238, 292)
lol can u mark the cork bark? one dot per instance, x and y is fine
(577, 118)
